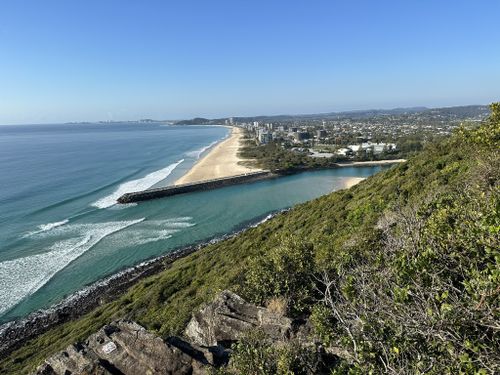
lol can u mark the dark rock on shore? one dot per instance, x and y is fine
(14, 334)
(124, 347)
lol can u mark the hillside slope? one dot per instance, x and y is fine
(399, 274)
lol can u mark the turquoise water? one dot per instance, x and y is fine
(60, 229)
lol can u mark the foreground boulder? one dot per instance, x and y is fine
(123, 347)
(229, 317)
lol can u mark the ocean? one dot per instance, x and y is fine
(61, 230)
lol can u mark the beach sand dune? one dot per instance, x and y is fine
(221, 161)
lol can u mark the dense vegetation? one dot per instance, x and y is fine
(273, 157)
(285, 158)
(194, 121)
(411, 281)
(399, 274)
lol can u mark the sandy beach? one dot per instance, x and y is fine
(351, 181)
(221, 161)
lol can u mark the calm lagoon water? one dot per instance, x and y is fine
(60, 229)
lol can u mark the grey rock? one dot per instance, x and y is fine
(123, 347)
(228, 317)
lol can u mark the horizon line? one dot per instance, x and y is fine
(250, 116)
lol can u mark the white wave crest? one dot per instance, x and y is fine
(197, 153)
(49, 226)
(173, 223)
(136, 185)
(176, 219)
(179, 224)
(151, 231)
(22, 277)
(143, 236)
(46, 227)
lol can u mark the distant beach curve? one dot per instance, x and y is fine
(221, 161)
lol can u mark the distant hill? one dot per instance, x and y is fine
(459, 112)
(194, 121)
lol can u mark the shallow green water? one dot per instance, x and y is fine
(55, 245)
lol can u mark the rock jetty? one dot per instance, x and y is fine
(192, 187)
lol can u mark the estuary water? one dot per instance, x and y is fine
(60, 228)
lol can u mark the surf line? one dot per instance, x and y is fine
(138, 184)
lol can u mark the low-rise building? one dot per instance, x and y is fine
(376, 148)
(344, 151)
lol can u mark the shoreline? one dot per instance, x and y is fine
(369, 163)
(14, 333)
(221, 161)
(246, 178)
(351, 181)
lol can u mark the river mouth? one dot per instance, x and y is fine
(61, 230)
(104, 241)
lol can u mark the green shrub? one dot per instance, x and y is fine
(255, 354)
(286, 271)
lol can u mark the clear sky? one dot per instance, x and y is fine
(127, 59)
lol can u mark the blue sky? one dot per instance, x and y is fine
(98, 60)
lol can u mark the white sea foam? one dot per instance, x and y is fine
(46, 227)
(174, 223)
(156, 236)
(152, 231)
(136, 185)
(142, 237)
(22, 277)
(49, 226)
(197, 153)
(176, 219)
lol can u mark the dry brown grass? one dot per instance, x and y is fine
(277, 305)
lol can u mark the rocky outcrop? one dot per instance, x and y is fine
(229, 316)
(124, 347)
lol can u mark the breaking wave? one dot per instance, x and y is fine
(136, 185)
(197, 153)
(152, 231)
(22, 277)
(46, 227)
(49, 226)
